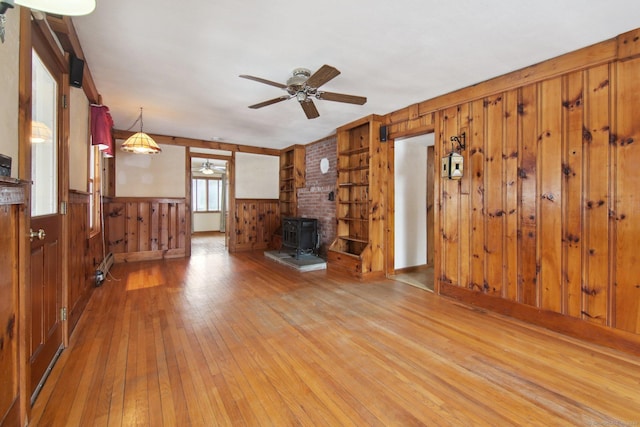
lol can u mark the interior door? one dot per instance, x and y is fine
(45, 296)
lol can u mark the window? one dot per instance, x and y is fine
(94, 189)
(44, 139)
(206, 194)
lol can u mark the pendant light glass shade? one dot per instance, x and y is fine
(60, 7)
(40, 132)
(140, 143)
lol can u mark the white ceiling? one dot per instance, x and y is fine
(181, 60)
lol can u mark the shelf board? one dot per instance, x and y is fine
(354, 168)
(285, 167)
(353, 151)
(349, 254)
(353, 239)
(346, 218)
(287, 179)
(353, 184)
(353, 202)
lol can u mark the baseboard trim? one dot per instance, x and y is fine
(412, 269)
(576, 328)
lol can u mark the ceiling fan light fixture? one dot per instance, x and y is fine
(299, 77)
(301, 96)
(207, 168)
(60, 7)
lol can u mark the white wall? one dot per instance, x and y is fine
(78, 140)
(9, 73)
(410, 176)
(257, 176)
(151, 175)
(206, 221)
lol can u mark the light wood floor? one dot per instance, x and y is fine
(238, 340)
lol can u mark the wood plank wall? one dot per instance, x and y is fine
(13, 198)
(146, 228)
(547, 214)
(545, 223)
(256, 220)
(82, 257)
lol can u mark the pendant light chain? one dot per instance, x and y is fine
(138, 119)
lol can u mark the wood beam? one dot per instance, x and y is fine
(196, 155)
(48, 44)
(629, 45)
(66, 33)
(200, 143)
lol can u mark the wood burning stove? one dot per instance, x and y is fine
(300, 234)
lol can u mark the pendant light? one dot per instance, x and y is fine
(60, 7)
(140, 143)
(40, 132)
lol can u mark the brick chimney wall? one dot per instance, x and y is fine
(313, 199)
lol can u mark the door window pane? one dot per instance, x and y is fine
(44, 137)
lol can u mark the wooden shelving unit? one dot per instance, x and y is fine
(360, 205)
(292, 177)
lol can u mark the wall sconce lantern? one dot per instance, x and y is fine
(453, 163)
(452, 166)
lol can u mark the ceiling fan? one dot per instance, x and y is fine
(209, 168)
(304, 86)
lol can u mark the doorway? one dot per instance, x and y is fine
(209, 190)
(413, 210)
(44, 299)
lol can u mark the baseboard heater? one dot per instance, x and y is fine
(103, 269)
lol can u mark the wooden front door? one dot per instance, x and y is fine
(45, 290)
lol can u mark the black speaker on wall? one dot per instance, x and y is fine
(76, 69)
(383, 133)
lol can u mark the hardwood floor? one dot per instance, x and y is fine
(222, 339)
(421, 277)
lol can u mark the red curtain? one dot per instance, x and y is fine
(101, 125)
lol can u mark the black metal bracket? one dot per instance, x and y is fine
(461, 140)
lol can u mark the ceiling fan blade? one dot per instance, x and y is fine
(341, 97)
(310, 109)
(323, 75)
(267, 82)
(269, 102)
